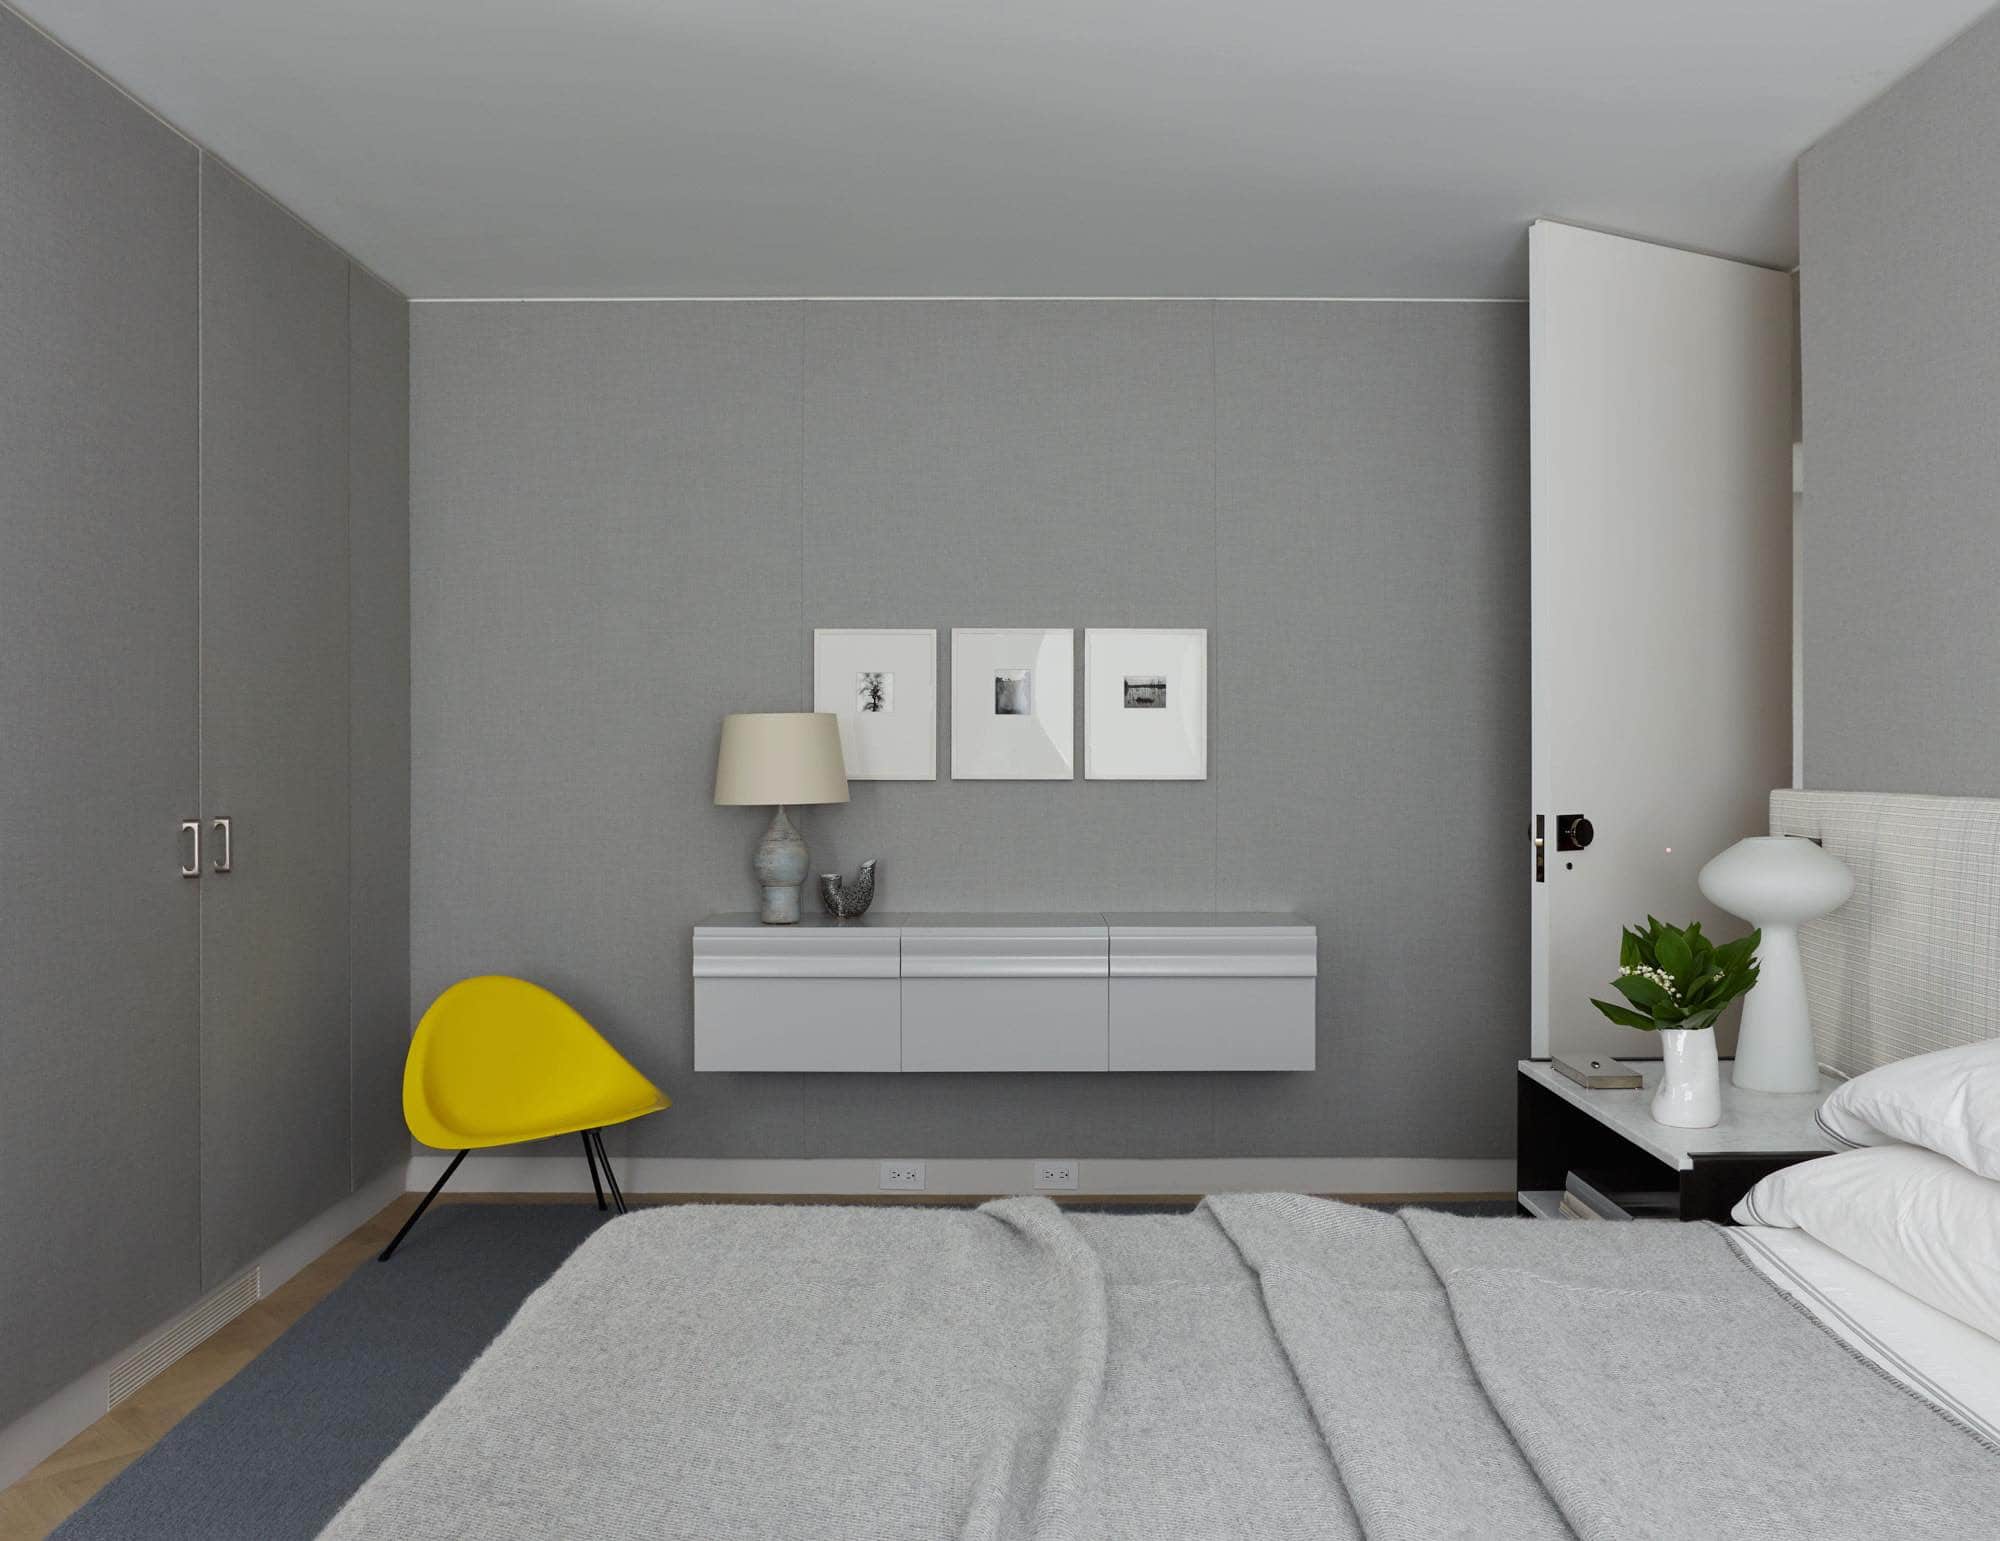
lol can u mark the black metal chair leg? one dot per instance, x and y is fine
(418, 1213)
(610, 1177)
(590, 1155)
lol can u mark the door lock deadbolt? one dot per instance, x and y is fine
(1573, 831)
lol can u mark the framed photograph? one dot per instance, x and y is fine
(882, 685)
(1013, 705)
(1145, 705)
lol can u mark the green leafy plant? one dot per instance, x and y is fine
(1672, 977)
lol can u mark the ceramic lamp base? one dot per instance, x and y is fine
(779, 864)
(1774, 1046)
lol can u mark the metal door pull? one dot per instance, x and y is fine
(222, 860)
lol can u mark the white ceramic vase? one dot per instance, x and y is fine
(1777, 883)
(1690, 1093)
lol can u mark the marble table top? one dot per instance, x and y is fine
(1751, 1121)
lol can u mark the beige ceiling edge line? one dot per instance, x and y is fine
(904, 299)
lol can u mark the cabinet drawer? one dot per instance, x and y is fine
(1212, 992)
(995, 1023)
(815, 996)
(795, 952)
(1056, 949)
(797, 1024)
(1221, 946)
(1182, 1023)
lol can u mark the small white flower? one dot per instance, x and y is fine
(1659, 977)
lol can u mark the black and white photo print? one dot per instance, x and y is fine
(1145, 691)
(1145, 704)
(874, 691)
(1013, 692)
(882, 686)
(1012, 703)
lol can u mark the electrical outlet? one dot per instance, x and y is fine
(1055, 1174)
(902, 1174)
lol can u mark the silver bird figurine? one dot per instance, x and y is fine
(849, 901)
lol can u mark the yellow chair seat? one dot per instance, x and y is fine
(498, 1060)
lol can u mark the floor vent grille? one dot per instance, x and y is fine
(207, 1318)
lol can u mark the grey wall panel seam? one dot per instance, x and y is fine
(200, 673)
(352, 1175)
(802, 627)
(1216, 738)
(1214, 725)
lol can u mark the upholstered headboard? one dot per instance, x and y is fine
(1911, 963)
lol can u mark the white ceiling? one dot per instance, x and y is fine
(995, 147)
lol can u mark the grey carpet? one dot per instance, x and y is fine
(275, 1452)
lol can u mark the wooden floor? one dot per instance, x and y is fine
(57, 1488)
(54, 1490)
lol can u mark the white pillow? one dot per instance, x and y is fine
(1918, 1219)
(1948, 1102)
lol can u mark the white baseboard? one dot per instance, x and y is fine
(42, 1430)
(506, 1173)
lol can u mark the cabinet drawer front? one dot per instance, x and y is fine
(1004, 1024)
(776, 952)
(1219, 952)
(1003, 954)
(797, 1024)
(1212, 1024)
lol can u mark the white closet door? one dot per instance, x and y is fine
(1661, 406)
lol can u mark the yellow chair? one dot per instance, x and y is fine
(498, 1060)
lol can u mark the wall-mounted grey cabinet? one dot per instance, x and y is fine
(179, 581)
(1073, 993)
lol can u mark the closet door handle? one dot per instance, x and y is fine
(191, 868)
(222, 859)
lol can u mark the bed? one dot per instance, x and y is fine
(1269, 1365)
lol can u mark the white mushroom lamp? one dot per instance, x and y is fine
(1777, 883)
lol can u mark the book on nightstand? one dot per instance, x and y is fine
(1598, 1198)
(1598, 1074)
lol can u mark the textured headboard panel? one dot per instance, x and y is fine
(1912, 962)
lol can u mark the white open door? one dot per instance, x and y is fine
(1661, 417)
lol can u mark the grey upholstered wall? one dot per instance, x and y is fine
(1900, 319)
(626, 519)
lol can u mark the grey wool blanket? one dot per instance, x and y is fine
(1270, 1366)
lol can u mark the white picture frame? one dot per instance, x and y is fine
(1013, 704)
(882, 686)
(1145, 704)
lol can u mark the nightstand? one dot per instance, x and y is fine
(1609, 1138)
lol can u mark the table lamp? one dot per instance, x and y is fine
(781, 758)
(1777, 883)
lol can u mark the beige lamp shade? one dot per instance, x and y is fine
(778, 758)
